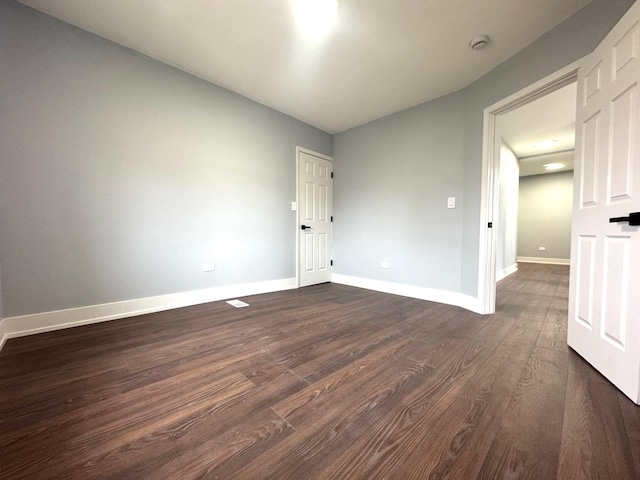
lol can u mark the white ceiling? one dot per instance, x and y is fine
(381, 57)
(552, 117)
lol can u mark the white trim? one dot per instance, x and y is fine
(505, 272)
(311, 152)
(550, 261)
(12, 327)
(298, 222)
(433, 295)
(491, 171)
(3, 334)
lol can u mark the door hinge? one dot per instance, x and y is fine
(490, 225)
(332, 218)
(331, 174)
(332, 263)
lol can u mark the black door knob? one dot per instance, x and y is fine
(304, 227)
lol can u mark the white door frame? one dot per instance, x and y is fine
(300, 150)
(491, 137)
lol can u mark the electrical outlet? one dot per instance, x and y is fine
(542, 249)
(384, 265)
(208, 267)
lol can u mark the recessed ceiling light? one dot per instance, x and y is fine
(553, 166)
(545, 144)
(315, 17)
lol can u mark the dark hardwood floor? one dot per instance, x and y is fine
(326, 382)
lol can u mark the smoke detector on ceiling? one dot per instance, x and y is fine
(479, 42)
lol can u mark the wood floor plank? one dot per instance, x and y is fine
(134, 402)
(317, 398)
(174, 436)
(386, 444)
(66, 395)
(554, 330)
(325, 426)
(438, 352)
(461, 438)
(68, 449)
(529, 435)
(595, 440)
(631, 419)
(346, 354)
(220, 456)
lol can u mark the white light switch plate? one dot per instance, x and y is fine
(294, 206)
(451, 202)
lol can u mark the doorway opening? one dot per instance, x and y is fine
(490, 190)
(536, 182)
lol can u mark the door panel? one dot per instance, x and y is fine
(585, 279)
(323, 251)
(592, 84)
(590, 161)
(310, 201)
(308, 255)
(615, 290)
(323, 203)
(314, 244)
(604, 306)
(622, 128)
(625, 50)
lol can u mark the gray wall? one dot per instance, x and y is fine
(121, 176)
(507, 223)
(545, 215)
(424, 167)
(390, 197)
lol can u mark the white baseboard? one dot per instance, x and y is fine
(12, 327)
(550, 261)
(433, 295)
(505, 272)
(3, 334)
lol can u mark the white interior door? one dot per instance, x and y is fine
(314, 219)
(604, 298)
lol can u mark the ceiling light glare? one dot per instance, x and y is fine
(545, 144)
(553, 166)
(315, 17)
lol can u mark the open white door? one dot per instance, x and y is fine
(314, 218)
(604, 298)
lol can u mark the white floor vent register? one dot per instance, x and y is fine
(237, 303)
